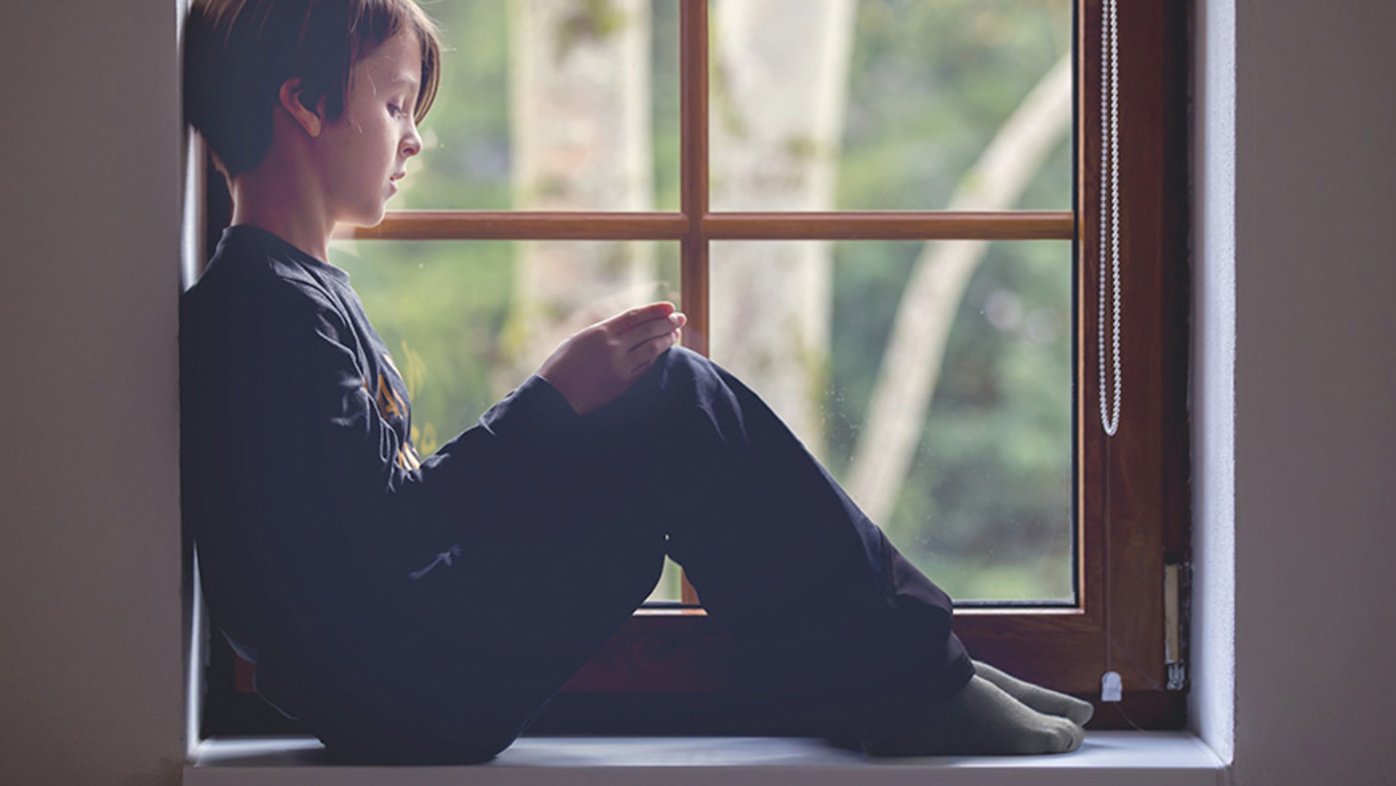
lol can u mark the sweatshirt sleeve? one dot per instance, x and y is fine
(534, 414)
(404, 516)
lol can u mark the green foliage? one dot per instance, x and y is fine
(444, 305)
(589, 20)
(466, 162)
(987, 507)
(993, 473)
(930, 82)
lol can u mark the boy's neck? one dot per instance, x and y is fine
(294, 218)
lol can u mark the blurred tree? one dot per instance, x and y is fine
(778, 99)
(580, 101)
(912, 360)
(985, 503)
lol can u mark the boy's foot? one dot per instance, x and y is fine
(1044, 700)
(981, 719)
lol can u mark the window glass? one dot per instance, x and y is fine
(552, 105)
(889, 104)
(970, 477)
(467, 321)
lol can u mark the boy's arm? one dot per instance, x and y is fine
(597, 364)
(587, 371)
(406, 516)
(488, 476)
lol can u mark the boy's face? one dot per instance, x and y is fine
(367, 149)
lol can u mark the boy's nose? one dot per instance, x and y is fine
(412, 145)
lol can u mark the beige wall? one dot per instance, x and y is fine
(89, 575)
(1315, 391)
(90, 666)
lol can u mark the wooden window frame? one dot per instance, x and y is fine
(667, 670)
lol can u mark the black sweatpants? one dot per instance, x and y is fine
(688, 462)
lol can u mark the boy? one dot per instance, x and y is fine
(424, 610)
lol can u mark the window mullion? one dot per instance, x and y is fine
(693, 187)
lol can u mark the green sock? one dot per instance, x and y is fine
(981, 719)
(1039, 698)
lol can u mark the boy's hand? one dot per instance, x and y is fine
(601, 362)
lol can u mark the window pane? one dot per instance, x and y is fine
(981, 497)
(467, 321)
(552, 104)
(889, 104)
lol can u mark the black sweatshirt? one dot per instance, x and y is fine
(312, 514)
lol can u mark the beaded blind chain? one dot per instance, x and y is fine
(1109, 169)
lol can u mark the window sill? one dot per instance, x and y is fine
(1140, 758)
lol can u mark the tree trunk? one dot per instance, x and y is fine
(916, 349)
(778, 100)
(580, 94)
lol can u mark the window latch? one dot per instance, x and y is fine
(1174, 618)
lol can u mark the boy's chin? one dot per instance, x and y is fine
(367, 220)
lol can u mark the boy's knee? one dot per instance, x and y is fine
(686, 360)
(688, 375)
(695, 382)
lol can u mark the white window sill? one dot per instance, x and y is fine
(1139, 758)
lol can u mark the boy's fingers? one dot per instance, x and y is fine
(628, 320)
(646, 353)
(652, 329)
(651, 350)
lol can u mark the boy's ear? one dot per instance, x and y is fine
(294, 100)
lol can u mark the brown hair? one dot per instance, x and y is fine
(238, 53)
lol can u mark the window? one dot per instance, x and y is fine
(921, 253)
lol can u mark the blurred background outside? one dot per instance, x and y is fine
(933, 379)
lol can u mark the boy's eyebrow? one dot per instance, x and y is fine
(402, 80)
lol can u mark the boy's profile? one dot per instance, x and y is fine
(424, 609)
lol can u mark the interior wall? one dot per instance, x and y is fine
(89, 505)
(1315, 391)
(1211, 708)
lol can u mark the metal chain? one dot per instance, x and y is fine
(1109, 167)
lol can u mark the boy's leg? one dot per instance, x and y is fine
(827, 607)
(538, 585)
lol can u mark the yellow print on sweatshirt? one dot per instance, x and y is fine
(388, 401)
(390, 404)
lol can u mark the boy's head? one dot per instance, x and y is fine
(239, 54)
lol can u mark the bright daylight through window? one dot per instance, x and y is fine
(873, 105)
